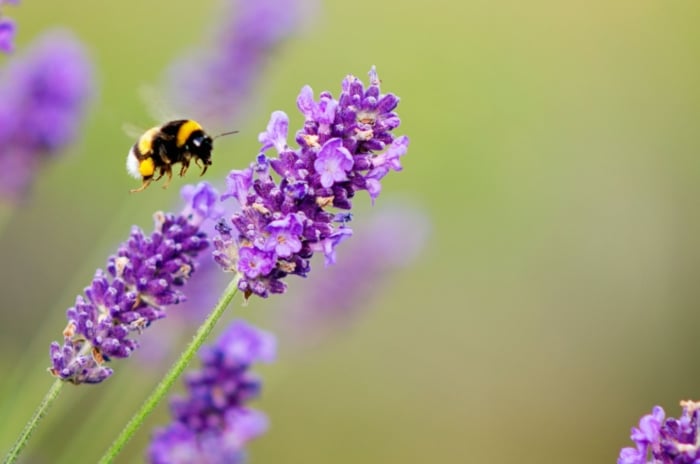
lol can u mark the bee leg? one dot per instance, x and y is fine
(146, 182)
(185, 166)
(204, 169)
(162, 171)
(169, 172)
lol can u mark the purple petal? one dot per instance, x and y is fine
(632, 456)
(333, 162)
(391, 156)
(306, 103)
(276, 133)
(201, 202)
(244, 343)
(238, 183)
(253, 262)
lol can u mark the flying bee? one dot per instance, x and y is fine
(160, 148)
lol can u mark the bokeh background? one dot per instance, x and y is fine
(554, 149)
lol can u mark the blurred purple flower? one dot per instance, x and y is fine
(212, 424)
(213, 85)
(142, 279)
(8, 29)
(7, 35)
(389, 240)
(669, 441)
(343, 145)
(43, 97)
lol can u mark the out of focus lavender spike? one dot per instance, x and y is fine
(214, 83)
(43, 99)
(212, 423)
(392, 237)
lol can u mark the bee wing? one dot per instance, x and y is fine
(157, 106)
(133, 131)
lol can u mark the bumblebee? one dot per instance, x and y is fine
(161, 147)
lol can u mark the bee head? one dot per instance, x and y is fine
(200, 145)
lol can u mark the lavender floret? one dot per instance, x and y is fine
(212, 423)
(346, 145)
(143, 278)
(665, 441)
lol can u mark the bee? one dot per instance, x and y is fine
(160, 148)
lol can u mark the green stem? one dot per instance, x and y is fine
(13, 394)
(39, 414)
(162, 388)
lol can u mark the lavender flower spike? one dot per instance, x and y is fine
(143, 278)
(346, 145)
(7, 30)
(388, 239)
(668, 441)
(212, 424)
(7, 35)
(216, 84)
(43, 98)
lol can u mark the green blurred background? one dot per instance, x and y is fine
(554, 146)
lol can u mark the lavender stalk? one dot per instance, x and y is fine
(164, 385)
(39, 414)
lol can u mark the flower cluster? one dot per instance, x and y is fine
(212, 424)
(142, 279)
(670, 441)
(346, 145)
(43, 96)
(7, 30)
(215, 85)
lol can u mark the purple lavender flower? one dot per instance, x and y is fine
(333, 163)
(389, 240)
(8, 30)
(215, 85)
(669, 441)
(43, 96)
(212, 424)
(7, 35)
(283, 238)
(346, 145)
(254, 262)
(142, 279)
(203, 288)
